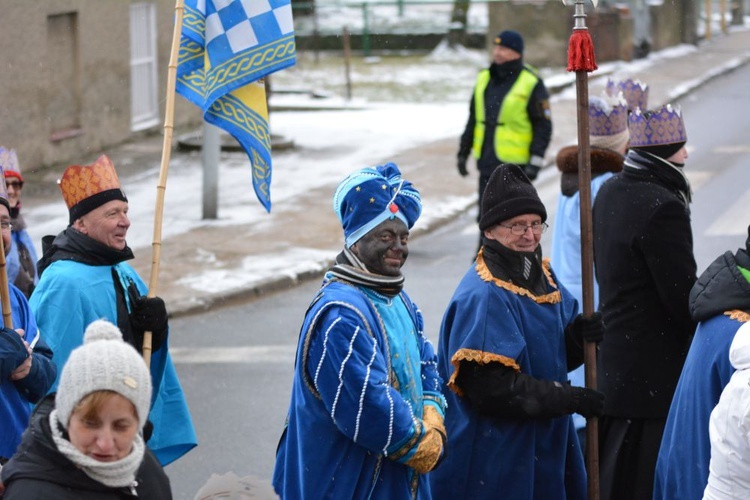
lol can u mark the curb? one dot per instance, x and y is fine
(274, 285)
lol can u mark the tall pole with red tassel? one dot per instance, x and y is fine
(582, 60)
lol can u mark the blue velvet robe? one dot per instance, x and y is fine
(16, 398)
(685, 452)
(493, 321)
(353, 422)
(70, 296)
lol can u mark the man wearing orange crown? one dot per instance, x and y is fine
(84, 277)
(643, 254)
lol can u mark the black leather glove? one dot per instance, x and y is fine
(586, 402)
(589, 329)
(531, 171)
(148, 430)
(149, 314)
(462, 166)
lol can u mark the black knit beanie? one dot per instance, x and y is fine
(509, 193)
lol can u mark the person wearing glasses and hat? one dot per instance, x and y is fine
(21, 261)
(509, 337)
(366, 413)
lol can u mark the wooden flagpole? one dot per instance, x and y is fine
(4, 291)
(582, 60)
(166, 152)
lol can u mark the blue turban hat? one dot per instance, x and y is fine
(372, 195)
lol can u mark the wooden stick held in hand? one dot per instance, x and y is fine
(164, 169)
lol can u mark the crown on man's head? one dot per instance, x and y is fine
(86, 187)
(656, 128)
(634, 91)
(608, 115)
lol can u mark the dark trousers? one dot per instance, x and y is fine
(628, 449)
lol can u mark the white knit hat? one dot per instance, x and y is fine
(103, 363)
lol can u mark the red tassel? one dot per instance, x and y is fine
(581, 52)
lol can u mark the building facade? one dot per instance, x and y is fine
(80, 76)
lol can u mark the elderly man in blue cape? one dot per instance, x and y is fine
(720, 303)
(366, 412)
(26, 368)
(509, 336)
(84, 277)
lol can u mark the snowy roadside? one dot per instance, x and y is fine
(329, 145)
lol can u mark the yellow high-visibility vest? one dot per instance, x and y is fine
(513, 133)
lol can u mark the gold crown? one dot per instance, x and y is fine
(80, 182)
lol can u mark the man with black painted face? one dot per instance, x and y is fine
(366, 414)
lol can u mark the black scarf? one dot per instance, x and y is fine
(647, 166)
(76, 246)
(506, 70)
(350, 269)
(15, 217)
(523, 269)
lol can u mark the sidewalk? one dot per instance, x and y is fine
(199, 268)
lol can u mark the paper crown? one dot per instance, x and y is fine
(608, 115)
(634, 91)
(9, 163)
(656, 128)
(370, 196)
(86, 187)
(3, 189)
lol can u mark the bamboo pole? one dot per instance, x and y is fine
(4, 291)
(164, 169)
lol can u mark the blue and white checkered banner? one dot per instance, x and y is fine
(226, 48)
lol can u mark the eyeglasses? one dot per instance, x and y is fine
(14, 184)
(520, 229)
(6, 225)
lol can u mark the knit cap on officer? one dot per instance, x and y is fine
(372, 195)
(510, 39)
(103, 363)
(509, 193)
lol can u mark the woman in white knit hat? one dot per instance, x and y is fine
(89, 443)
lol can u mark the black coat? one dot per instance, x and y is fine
(502, 78)
(721, 287)
(39, 471)
(643, 253)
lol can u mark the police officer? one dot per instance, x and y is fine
(509, 115)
